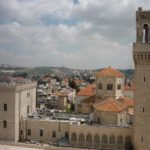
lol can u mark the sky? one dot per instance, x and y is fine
(81, 34)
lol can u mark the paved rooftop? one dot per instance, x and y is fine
(6, 147)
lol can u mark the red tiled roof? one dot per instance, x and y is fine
(114, 105)
(110, 105)
(87, 91)
(109, 72)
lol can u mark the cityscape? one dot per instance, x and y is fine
(79, 102)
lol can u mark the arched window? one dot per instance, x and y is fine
(104, 139)
(89, 140)
(73, 137)
(112, 140)
(81, 140)
(96, 140)
(118, 86)
(128, 144)
(120, 142)
(104, 142)
(110, 85)
(100, 86)
(145, 33)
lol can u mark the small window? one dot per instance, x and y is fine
(41, 132)
(143, 109)
(5, 107)
(4, 124)
(54, 134)
(29, 131)
(109, 86)
(100, 86)
(142, 139)
(144, 79)
(118, 86)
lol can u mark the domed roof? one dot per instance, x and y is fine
(109, 72)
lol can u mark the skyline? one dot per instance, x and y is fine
(82, 34)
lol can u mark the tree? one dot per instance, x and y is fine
(73, 85)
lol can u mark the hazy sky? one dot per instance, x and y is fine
(85, 34)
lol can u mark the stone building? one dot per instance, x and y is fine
(16, 101)
(141, 55)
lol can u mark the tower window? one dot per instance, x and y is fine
(144, 79)
(145, 33)
(4, 124)
(109, 86)
(142, 139)
(143, 109)
(5, 107)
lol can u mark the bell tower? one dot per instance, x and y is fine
(141, 56)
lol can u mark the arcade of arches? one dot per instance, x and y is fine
(101, 141)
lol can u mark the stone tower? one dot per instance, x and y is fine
(141, 55)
